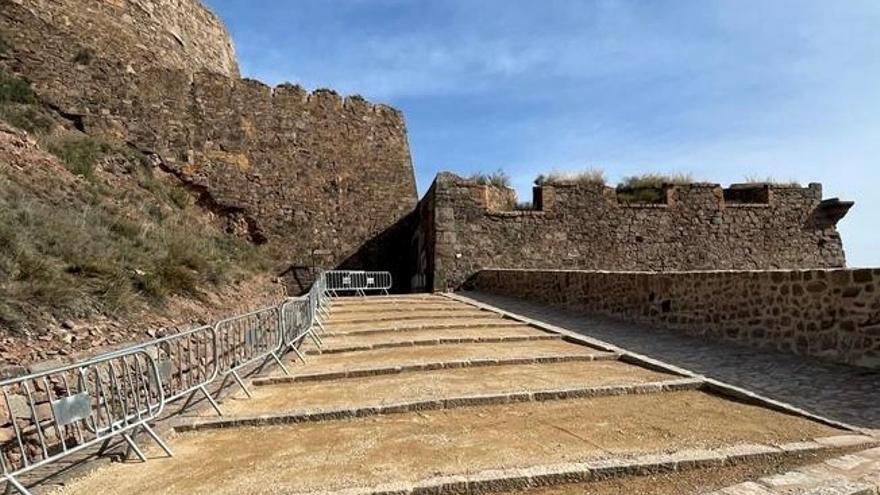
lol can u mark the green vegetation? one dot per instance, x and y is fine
(109, 248)
(79, 153)
(15, 90)
(124, 240)
(499, 178)
(28, 118)
(76, 260)
(19, 106)
(524, 206)
(588, 176)
(648, 188)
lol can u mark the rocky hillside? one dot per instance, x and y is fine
(99, 246)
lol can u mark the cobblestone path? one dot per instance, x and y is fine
(427, 394)
(844, 393)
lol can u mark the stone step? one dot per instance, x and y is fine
(408, 308)
(422, 324)
(402, 316)
(427, 337)
(381, 299)
(246, 415)
(496, 384)
(469, 450)
(422, 358)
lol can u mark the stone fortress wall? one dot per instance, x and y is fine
(588, 227)
(143, 34)
(830, 314)
(314, 174)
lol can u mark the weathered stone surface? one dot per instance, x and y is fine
(322, 179)
(464, 228)
(761, 308)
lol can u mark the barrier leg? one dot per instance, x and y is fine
(241, 384)
(280, 364)
(10, 481)
(317, 340)
(158, 440)
(298, 354)
(134, 448)
(211, 400)
(103, 448)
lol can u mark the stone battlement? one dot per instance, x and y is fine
(591, 226)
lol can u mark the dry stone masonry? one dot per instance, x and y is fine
(314, 174)
(831, 314)
(467, 227)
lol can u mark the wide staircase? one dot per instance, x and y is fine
(430, 394)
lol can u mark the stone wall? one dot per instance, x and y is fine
(830, 314)
(590, 226)
(142, 34)
(314, 175)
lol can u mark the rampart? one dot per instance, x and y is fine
(830, 314)
(593, 227)
(314, 175)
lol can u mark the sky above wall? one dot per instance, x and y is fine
(721, 89)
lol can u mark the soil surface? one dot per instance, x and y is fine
(408, 356)
(369, 339)
(463, 382)
(417, 446)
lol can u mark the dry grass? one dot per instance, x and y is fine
(754, 179)
(648, 188)
(587, 176)
(499, 178)
(123, 240)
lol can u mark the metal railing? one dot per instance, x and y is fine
(358, 282)
(248, 339)
(52, 414)
(55, 413)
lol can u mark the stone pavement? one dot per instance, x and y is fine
(424, 394)
(847, 394)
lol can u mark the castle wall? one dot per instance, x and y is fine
(314, 175)
(830, 314)
(144, 34)
(586, 226)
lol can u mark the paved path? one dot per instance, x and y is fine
(844, 393)
(423, 394)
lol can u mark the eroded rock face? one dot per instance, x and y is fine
(314, 175)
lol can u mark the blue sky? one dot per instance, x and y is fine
(721, 89)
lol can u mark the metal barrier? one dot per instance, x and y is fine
(297, 317)
(55, 413)
(247, 339)
(357, 281)
(52, 414)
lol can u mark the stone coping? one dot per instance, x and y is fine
(673, 273)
